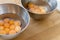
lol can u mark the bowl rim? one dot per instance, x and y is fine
(41, 13)
(27, 23)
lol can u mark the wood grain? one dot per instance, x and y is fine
(10, 1)
(48, 29)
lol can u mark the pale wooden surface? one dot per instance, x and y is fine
(48, 29)
(10, 1)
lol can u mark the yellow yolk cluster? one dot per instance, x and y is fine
(36, 9)
(9, 26)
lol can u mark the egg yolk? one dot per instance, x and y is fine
(6, 25)
(1, 23)
(6, 20)
(7, 30)
(2, 32)
(17, 23)
(1, 28)
(12, 27)
(17, 28)
(11, 21)
(12, 32)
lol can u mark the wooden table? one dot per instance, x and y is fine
(49, 29)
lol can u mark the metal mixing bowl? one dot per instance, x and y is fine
(16, 12)
(49, 4)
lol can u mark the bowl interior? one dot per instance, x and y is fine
(16, 12)
(48, 4)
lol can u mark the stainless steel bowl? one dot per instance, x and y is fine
(49, 4)
(16, 12)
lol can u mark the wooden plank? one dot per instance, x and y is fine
(42, 30)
